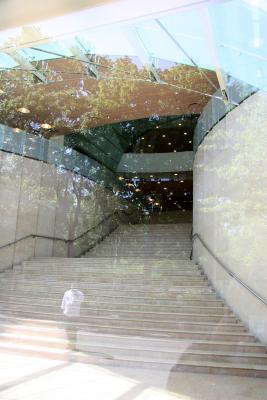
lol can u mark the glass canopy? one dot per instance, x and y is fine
(60, 70)
(230, 36)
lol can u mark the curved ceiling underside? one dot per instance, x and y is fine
(76, 100)
(96, 68)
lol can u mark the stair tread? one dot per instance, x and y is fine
(226, 333)
(135, 347)
(61, 326)
(223, 365)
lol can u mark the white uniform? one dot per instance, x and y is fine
(71, 302)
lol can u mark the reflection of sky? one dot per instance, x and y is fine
(236, 40)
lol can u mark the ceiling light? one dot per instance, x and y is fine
(158, 182)
(175, 174)
(180, 124)
(129, 184)
(185, 133)
(121, 178)
(24, 110)
(137, 190)
(190, 141)
(149, 145)
(156, 204)
(169, 144)
(142, 137)
(17, 130)
(46, 126)
(157, 127)
(182, 181)
(174, 151)
(165, 188)
(151, 176)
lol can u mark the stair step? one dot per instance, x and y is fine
(55, 329)
(124, 320)
(109, 288)
(187, 309)
(88, 344)
(129, 306)
(128, 330)
(103, 359)
(99, 310)
(179, 280)
(180, 298)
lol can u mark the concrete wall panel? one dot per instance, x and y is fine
(230, 208)
(41, 199)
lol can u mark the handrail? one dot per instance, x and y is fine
(229, 272)
(32, 235)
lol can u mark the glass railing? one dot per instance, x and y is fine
(51, 152)
(217, 108)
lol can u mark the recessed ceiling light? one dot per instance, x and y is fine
(169, 144)
(175, 174)
(157, 127)
(137, 190)
(185, 133)
(142, 137)
(180, 124)
(24, 110)
(46, 126)
(156, 204)
(163, 135)
(151, 176)
(17, 130)
(190, 141)
(121, 178)
(158, 182)
(165, 188)
(174, 151)
(181, 181)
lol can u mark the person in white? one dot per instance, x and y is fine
(71, 302)
(71, 306)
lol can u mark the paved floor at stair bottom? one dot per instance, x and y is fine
(26, 378)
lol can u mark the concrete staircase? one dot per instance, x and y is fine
(154, 240)
(146, 305)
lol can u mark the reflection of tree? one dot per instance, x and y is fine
(29, 35)
(73, 100)
(235, 196)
